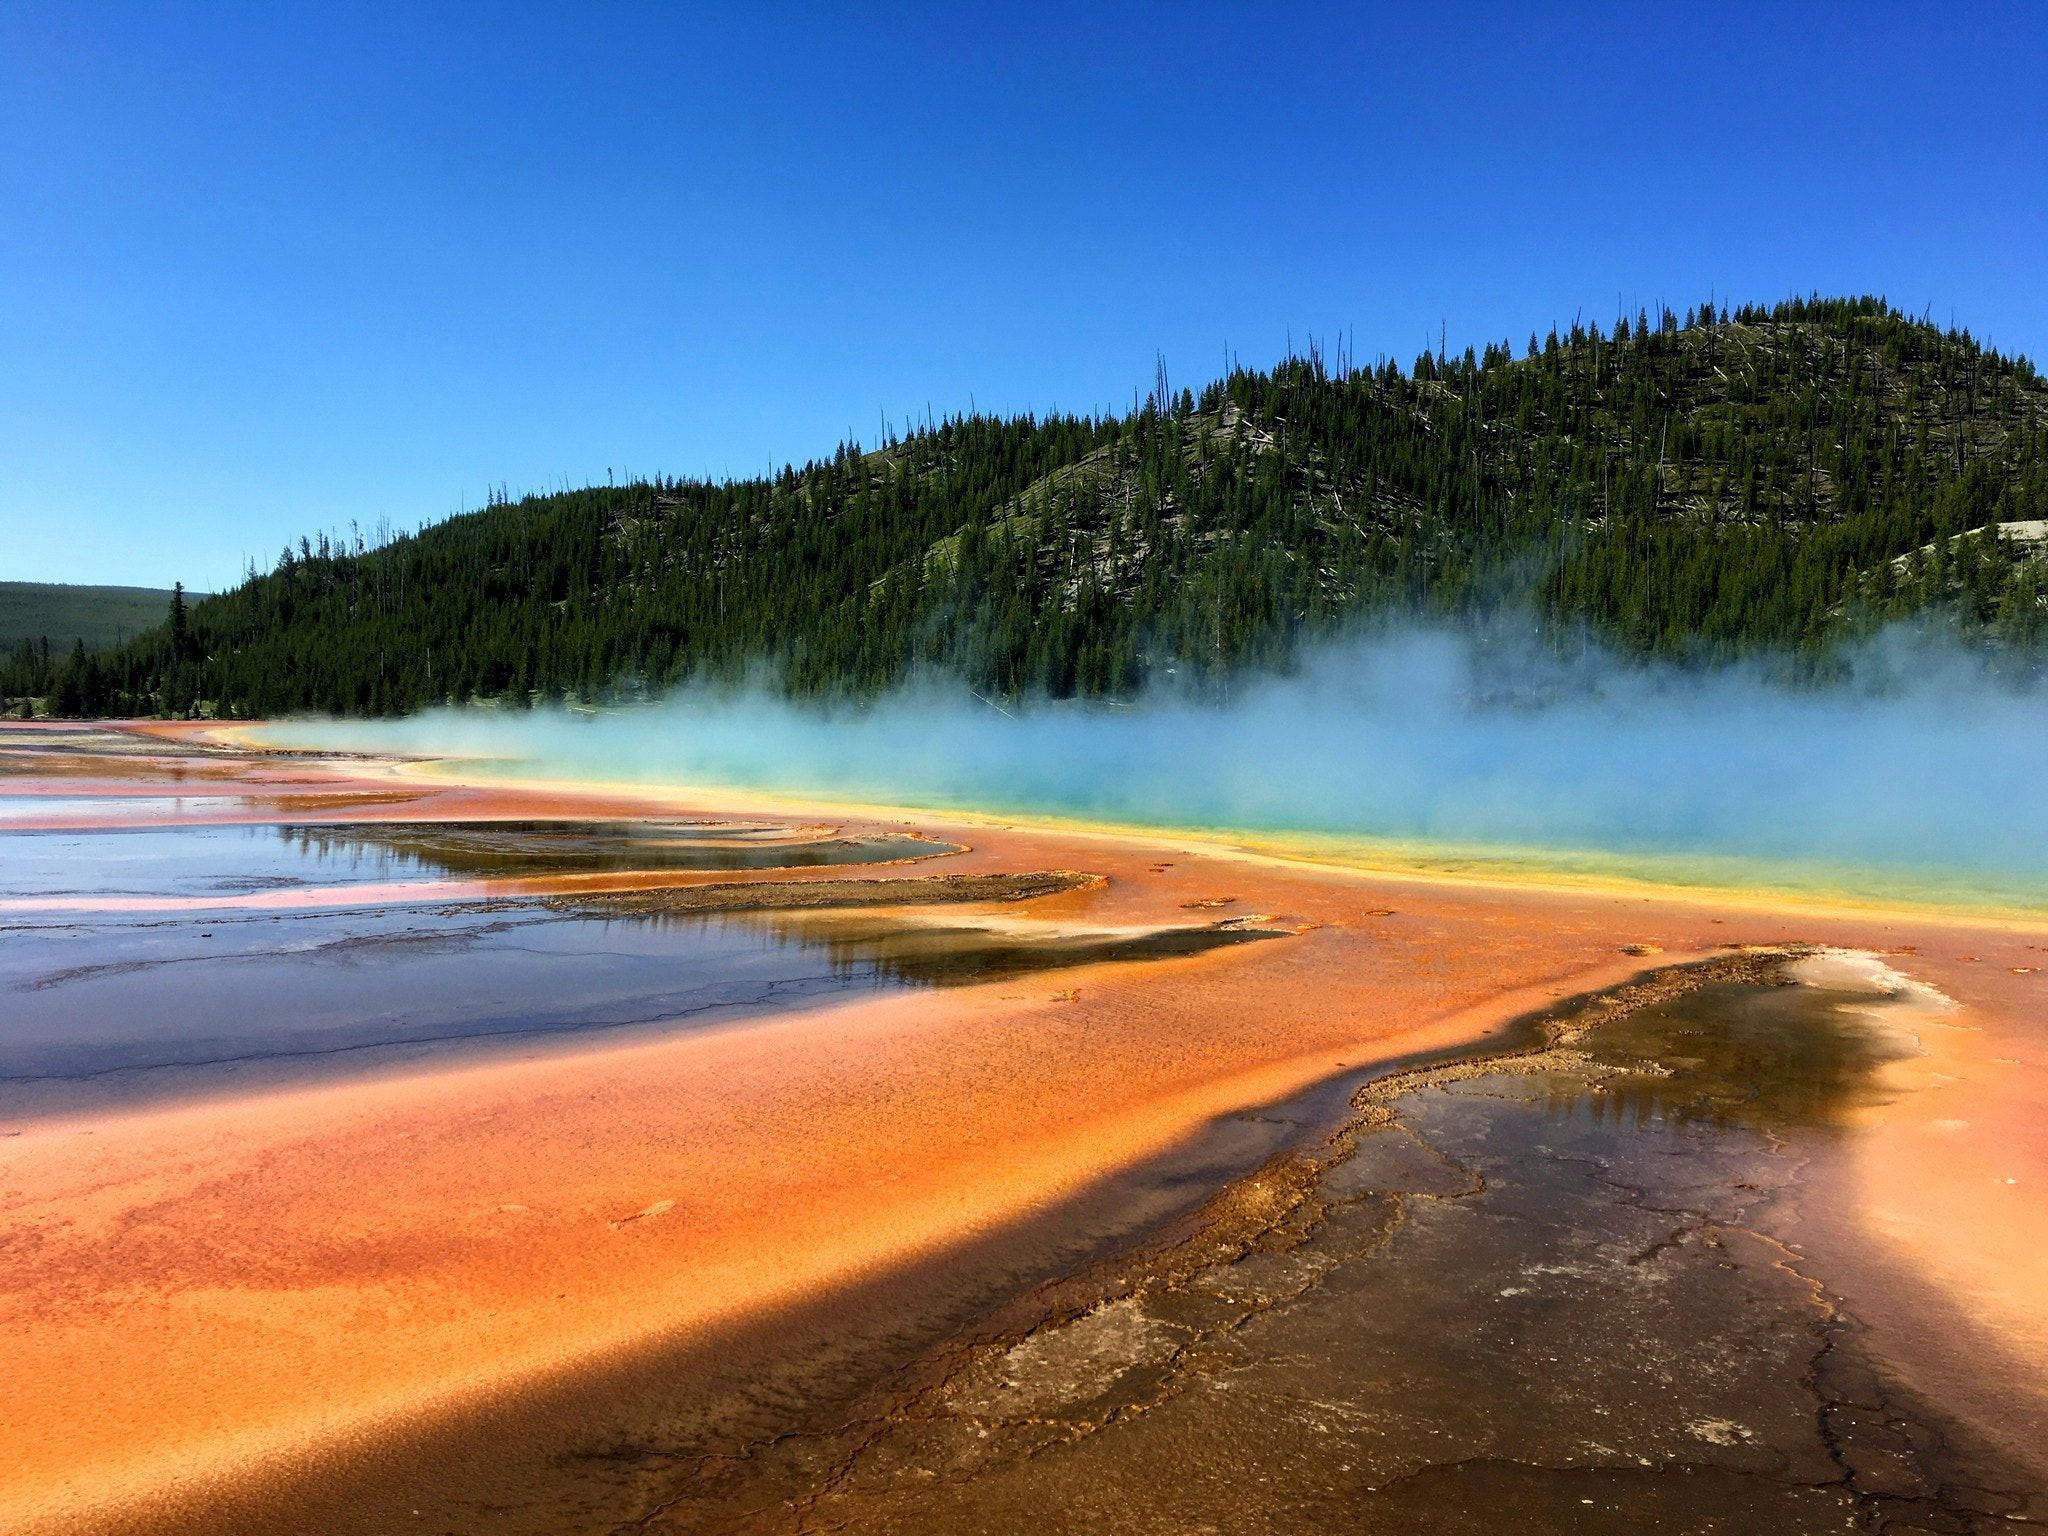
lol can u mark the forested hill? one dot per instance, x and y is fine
(96, 617)
(1692, 485)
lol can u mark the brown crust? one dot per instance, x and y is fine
(757, 895)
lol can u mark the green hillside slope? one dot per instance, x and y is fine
(63, 614)
(1695, 486)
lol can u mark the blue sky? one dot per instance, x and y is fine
(268, 269)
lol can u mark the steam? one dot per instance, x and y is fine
(1918, 761)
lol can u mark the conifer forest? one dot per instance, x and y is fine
(1696, 486)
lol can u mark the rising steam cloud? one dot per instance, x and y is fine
(1919, 760)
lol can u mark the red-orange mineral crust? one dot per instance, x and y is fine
(191, 1293)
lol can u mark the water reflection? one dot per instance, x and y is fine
(515, 848)
(206, 860)
(1736, 1054)
(120, 1009)
(923, 952)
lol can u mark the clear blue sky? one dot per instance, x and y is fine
(267, 268)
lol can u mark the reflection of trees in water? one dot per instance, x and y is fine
(1733, 1054)
(513, 848)
(953, 954)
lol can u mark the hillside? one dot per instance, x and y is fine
(64, 615)
(1695, 486)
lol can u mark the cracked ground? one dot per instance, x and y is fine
(1530, 1294)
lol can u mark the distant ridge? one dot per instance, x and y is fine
(1699, 486)
(64, 614)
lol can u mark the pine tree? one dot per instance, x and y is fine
(181, 639)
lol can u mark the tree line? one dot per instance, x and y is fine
(1697, 486)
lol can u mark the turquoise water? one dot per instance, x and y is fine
(1926, 793)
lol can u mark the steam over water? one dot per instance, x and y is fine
(1918, 767)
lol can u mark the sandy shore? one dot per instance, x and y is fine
(203, 1295)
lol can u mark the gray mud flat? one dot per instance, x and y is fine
(1531, 1293)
